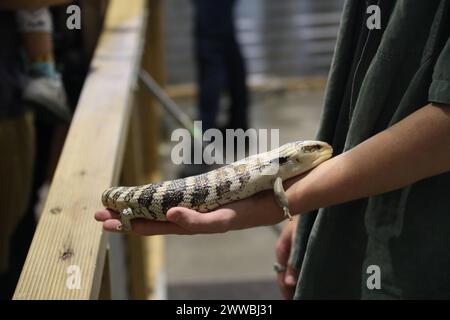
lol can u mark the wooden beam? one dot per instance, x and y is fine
(146, 264)
(105, 286)
(67, 234)
(137, 265)
(154, 63)
(155, 272)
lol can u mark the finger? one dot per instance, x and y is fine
(291, 276)
(287, 290)
(292, 273)
(287, 281)
(281, 284)
(106, 214)
(196, 222)
(111, 225)
(283, 250)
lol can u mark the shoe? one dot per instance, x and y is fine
(47, 97)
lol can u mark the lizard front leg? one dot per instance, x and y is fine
(125, 218)
(281, 198)
(133, 212)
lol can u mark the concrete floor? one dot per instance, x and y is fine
(237, 265)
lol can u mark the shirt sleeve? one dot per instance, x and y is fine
(439, 91)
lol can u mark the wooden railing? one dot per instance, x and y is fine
(68, 257)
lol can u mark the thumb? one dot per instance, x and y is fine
(196, 222)
(183, 217)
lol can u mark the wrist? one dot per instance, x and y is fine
(312, 191)
(298, 198)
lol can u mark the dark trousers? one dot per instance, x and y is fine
(220, 63)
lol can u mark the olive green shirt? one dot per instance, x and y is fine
(377, 78)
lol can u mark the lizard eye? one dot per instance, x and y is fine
(312, 148)
(280, 160)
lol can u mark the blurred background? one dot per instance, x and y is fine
(290, 38)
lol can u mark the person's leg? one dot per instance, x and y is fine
(211, 25)
(209, 52)
(236, 72)
(36, 28)
(211, 79)
(237, 86)
(45, 91)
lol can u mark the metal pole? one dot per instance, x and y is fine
(169, 105)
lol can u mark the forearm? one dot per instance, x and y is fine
(415, 148)
(29, 4)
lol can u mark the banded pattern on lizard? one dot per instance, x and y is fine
(208, 191)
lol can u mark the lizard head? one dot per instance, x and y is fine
(312, 152)
(297, 157)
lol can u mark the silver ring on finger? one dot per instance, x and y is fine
(279, 268)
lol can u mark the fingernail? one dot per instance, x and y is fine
(290, 280)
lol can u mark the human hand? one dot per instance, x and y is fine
(258, 210)
(287, 280)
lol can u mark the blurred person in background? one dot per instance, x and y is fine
(44, 90)
(220, 65)
(22, 156)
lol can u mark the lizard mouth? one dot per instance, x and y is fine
(324, 155)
